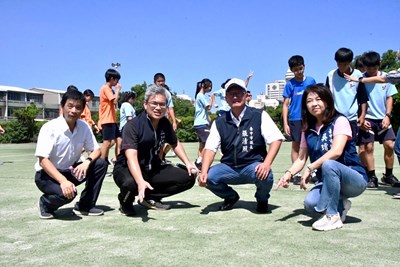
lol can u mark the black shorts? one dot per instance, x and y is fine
(377, 133)
(110, 131)
(202, 131)
(295, 131)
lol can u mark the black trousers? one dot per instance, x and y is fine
(53, 197)
(167, 180)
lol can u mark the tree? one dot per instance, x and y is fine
(25, 128)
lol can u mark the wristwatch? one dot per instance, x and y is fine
(89, 159)
(360, 79)
(389, 115)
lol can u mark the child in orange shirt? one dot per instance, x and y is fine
(86, 114)
(107, 116)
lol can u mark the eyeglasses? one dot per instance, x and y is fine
(235, 94)
(157, 104)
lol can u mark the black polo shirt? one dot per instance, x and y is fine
(139, 134)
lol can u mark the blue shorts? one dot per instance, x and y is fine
(110, 131)
(377, 133)
(202, 131)
(295, 131)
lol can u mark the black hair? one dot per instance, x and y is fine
(344, 55)
(127, 95)
(158, 75)
(75, 95)
(295, 61)
(202, 84)
(88, 92)
(224, 83)
(72, 88)
(326, 96)
(166, 87)
(372, 59)
(359, 63)
(112, 74)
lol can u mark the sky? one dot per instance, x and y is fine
(52, 44)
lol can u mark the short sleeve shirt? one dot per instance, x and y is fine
(125, 111)
(377, 94)
(201, 115)
(294, 91)
(61, 146)
(140, 135)
(107, 106)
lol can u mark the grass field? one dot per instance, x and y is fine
(193, 233)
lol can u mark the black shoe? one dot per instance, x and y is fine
(154, 205)
(43, 213)
(198, 164)
(91, 212)
(390, 179)
(228, 203)
(127, 210)
(126, 204)
(297, 179)
(372, 182)
(396, 184)
(262, 206)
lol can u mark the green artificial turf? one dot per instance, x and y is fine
(193, 232)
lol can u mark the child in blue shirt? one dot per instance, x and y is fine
(377, 126)
(291, 110)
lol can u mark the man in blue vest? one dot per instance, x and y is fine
(243, 134)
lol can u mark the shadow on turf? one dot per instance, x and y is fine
(389, 190)
(143, 212)
(66, 214)
(241, 204)
(313, 218)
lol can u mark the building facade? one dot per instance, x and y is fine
(47, 100)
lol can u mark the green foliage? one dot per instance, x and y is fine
(183, 107)
(7, 136)
(24, 129)
(185, 131)
(140, 90)
(276, 116)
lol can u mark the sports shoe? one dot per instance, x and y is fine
(346, 208)
(92, 212)
(229, 202)
(127, 210)
(43, 214)
(166, 162)
(297, 179)
(262, 206)
(396, 196)
(198, 164)
(126, 204)
(327, 223)
(154, 205)
(390, 179)
(372, 182)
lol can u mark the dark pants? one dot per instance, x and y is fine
(167, 180)
(53, 197)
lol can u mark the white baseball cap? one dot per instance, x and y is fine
(237, 82)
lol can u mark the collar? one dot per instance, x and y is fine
(342, 75)
(64, 125)
(241, 115)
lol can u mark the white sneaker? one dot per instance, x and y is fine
(327, 223)
(346, 208)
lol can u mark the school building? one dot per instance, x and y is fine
(47, 100)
